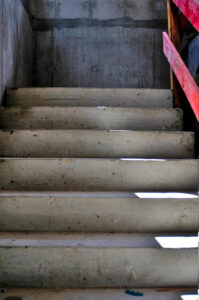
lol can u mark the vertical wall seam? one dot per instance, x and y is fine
(1, 50)
(16, 42)
(52, 59)
(55, 8)
(34, 58)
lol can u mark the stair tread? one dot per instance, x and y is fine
(90, 97)
(90, 118)
(82, 174)
(93, 144)
(89, 240)
(54, 226)
(97, 194)
(75, 267)
(56, 212)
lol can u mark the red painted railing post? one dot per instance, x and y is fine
(190, 9)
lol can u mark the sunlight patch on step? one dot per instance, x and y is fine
(142, 159)
(190, 297)
(166, 195)
(177, 242)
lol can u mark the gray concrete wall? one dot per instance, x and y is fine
(100, 43)
(16, 46)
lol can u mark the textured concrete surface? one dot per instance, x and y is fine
(85, 240)
(97, 56)
(64, 213)
(98, 175)
(150, 98)
(96, 144)
(106, 9)
(94, 118)
(98, 267)
(95, 294)
(100, 43)
(16, 47)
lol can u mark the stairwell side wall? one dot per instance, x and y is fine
(16, 46)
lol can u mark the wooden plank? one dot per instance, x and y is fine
(173, 24)
(190, 8)
(185, 79)
(174, 33)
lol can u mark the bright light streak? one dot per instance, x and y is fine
(142, 159)
(119, 130)
(176, 242)
(190, 297)
(166, 195)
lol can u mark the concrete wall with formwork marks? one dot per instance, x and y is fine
(100, 43)
(16, 46)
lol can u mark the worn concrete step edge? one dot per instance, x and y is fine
(100, 118)
(76, 214)
(98, 267)
(93, 144)
(97, 240)
(101, 194)
(90, 118)
(72, 174)
(90, 97)
(95, 294)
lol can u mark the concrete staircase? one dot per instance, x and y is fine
(73, 163)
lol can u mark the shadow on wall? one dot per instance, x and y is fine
(16, 47)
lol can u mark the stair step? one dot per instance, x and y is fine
(96, 294)
(100, 118)
(94, 144)
(95, 240)
(79, 267)
(153, 98)
(68, 213)
(98, 175)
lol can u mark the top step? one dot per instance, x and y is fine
(149, 98)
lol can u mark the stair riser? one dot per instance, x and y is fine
(92, 240)
(94, 294)
(98, 214)
(94, 144)
(90, 97)
(92, 267)
(90, 118)
(98, 175)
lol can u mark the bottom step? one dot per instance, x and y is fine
(97, 294)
